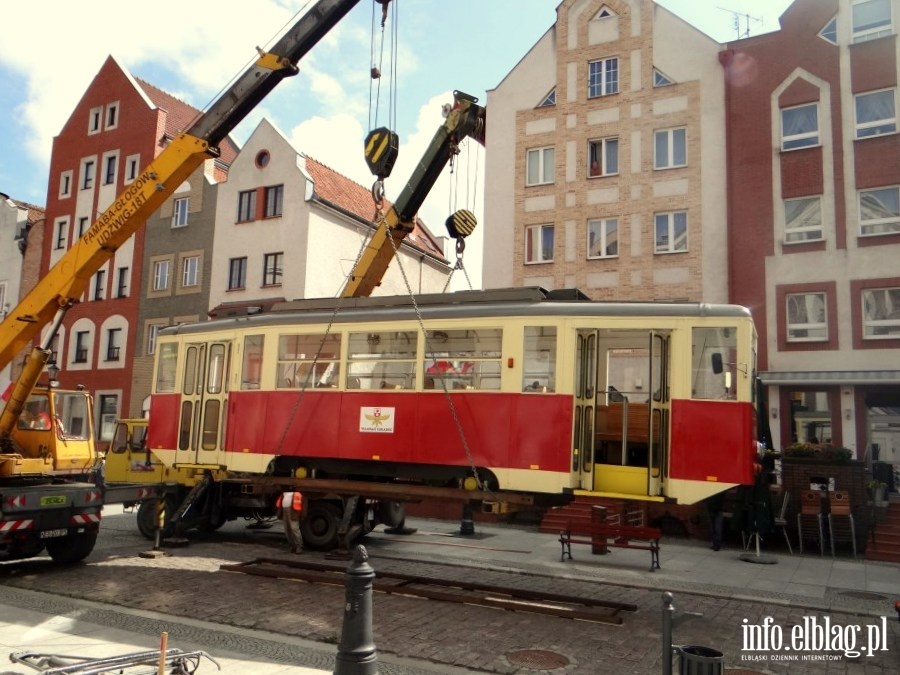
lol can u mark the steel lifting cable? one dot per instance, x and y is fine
(482, 486)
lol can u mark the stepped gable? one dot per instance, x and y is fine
(340, 191)
(180, 116)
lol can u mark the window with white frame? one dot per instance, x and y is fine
(603, 157)
(660, 79)
(87, 174)
(549, 99)
(829, 32)
(871, 19)
(603, 238)
(539, 244)
(274, 201)
(112, 116)
(879, 211)
(113, 348)
(272, 269)
(161, 275)
(800, 126)
(62, 231)
(246, 206)
(670, 148)
(802, 219)
(806, 319)
(82, 345)
(100, 285)
(132, 167)
(152, 334)
(95, 118)
(83, 224)
(109, 169)
(876, 113)
(65, 184)
(190, 271)
(180, 211)
(670, 232)
(540, 167)
(881, 313)
(603, 77)
(122, 282)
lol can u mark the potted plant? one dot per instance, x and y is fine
(877, 488)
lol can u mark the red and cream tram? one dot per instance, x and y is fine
(531, 391)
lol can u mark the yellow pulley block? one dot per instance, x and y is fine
(382, 148)
(461, 224)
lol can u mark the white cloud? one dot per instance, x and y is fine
(336, 142)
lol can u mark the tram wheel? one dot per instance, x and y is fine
(320, 524)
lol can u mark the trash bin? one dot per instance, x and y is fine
(694, 660)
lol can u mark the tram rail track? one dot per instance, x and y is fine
(469, 592)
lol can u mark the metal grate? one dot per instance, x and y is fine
(537, 659)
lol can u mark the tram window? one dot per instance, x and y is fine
(190, 371)
(463, 359)
(714, 363)
(385, 360)
(539, 370)
(165, 374)
(218, 364)
(251, 367)
(211, 424)
(184, 427)
(296, 355)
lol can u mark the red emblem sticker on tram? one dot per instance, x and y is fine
(376, 420)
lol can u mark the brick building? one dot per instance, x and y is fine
(814, 222)
(605, 166)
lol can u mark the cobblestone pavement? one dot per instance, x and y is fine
(189, 584)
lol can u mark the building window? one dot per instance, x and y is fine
(829, 32)
(99, 284)
(871, 19)
(603, 157)
(161, 275)
(881, 313)
(603, 77)
(81, 346)
(190, 271)
(246, 206)
(152, 334)
(879, 211)
(875, 113)
(95, 117)
(549, 99)
(800, 126)
(62, 229)
(540, 169)
(671, 232)
(83, 224)
(262, 159)
(65, 184)
(603, 238)
(670, 148)
(180, 211)
(87, 175)
(272, 269)
(112, 115)
(109, 171)
(274, 197)
(237, 274)
(806, 319)
(802, 219)
(132, 166)
(113, 335)
(539, 244)
(122, 282)
(660, 79)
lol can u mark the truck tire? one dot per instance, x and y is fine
(392, 514)
(72, 548)
(146, 517)
(320, 524)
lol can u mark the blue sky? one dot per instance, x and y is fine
(194, 48)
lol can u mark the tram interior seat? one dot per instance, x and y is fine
(609, 429)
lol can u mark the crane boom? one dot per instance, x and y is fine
(67, 280)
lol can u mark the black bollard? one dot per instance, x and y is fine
(668, 611)
(467, 524)
(356, 651)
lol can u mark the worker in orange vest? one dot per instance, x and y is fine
(290, 510)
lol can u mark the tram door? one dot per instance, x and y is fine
(203, 398)
(585, 406)
(660, 405)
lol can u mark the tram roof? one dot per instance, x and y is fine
(503, 302)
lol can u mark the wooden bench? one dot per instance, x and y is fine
(603, 535)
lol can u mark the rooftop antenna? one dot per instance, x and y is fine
(737, 17)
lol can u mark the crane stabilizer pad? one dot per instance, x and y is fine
(461, 224)
(382, 148)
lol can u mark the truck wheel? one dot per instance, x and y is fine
(392, 514)
(72, 548)
(320, 524)
(146, 517)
